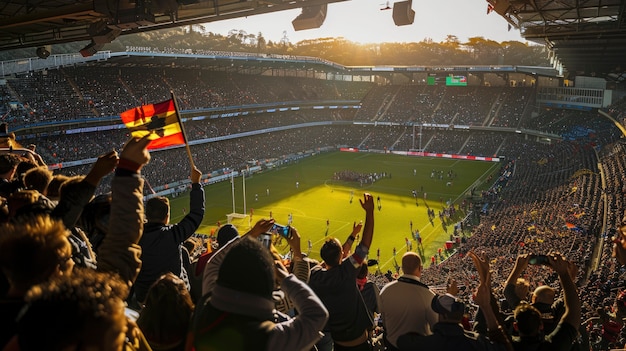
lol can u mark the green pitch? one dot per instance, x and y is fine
(318, 199)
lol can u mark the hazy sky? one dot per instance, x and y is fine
(362, 21)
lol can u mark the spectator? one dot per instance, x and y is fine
(7, 140)
(81, 311)
(516, 289)
(38, 179)
(94, 219)
(28, 203)
(30, 253)
(211, 270)
(54, 186)
(225, 234)
(238, 314)
(448, 333)
(619, 243)
(528, 319)
(36, 249)
(334, 283)
(542, 298)
(405, 303)
(368, 289)
(612, 321)
(161, 241)
(298, 265)
(8, 169)
(164, 319)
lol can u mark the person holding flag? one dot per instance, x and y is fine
(161, 241)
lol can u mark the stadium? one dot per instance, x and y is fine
(501, 159)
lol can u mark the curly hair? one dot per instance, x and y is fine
(85, 308)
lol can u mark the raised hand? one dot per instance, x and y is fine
(196, 175)
(260, 227)
(368, 202)
(103, 166)
(356, 228)
(294, 242)
(136, 150)
(481, 262)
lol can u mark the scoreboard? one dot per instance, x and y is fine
(451, 80)
(456, 81)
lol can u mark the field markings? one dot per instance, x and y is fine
(314, 228)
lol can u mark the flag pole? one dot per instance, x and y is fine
(182, 129)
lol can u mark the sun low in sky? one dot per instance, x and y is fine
(363, 21)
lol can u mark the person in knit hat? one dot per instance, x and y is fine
(239, 313)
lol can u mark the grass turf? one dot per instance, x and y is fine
(318, 199)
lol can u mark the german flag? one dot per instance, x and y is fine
(159, 120)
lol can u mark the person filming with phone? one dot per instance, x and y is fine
(543, 298)
(239, 309)
(529, 320)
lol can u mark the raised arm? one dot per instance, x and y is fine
(302, 332)
(510, 285)
(299, 267)
(368, 229)
(74, 199)
(347, 245)
(484, 300)
(564, 269)
(120, 252)
(191, 222)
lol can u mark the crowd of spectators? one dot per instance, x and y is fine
(407, 103)
(85, 92)
(502, 107)
(565, 197)
(510, 107)
(82, 92)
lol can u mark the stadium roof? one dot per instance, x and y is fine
(588, 37)
(30, 23)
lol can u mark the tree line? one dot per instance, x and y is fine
(451, 51)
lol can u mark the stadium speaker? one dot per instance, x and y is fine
(403, 14)
(91, 49)
(43, 52)
(311, 17)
